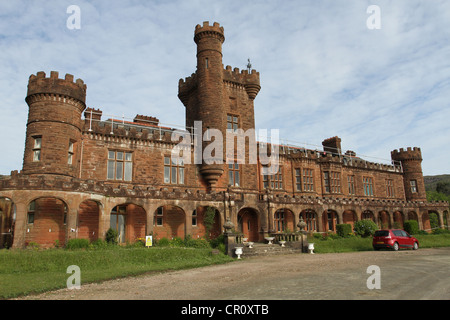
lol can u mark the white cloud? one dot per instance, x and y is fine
(323, 73)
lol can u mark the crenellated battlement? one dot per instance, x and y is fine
(408, 154)
(250, 80)
(40, 84)
(209, 31)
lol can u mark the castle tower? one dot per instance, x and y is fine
(54, 124)
(411, 160)
(221, 99)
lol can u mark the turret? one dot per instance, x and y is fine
(54, 124)
(411, 161)
(219, 98)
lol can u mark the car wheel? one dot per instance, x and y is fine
(395, 246)
(415, 246)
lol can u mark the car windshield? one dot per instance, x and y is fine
(381, 233)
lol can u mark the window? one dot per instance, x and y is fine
(234, 174)
(31, 211)
(332, 182)
(159, 216)
(37, 148)
(279, 221)
(194, 217)
(70, 156)
(390, 188)
(326, 181)
(298, 178)
(232, 122)
(351, 184)
(120, 165)
(368, 186)
(308, 182)
(275, 181)
(173, 170)
(413, 184)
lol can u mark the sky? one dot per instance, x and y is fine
(380, 80)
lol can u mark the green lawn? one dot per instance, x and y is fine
(32, 271)
(365, 244)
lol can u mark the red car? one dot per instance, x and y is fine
(394, 239)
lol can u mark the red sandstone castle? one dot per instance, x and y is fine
(81, 177)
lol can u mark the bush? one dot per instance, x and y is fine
(343, 230)
(411, 226)
(77, 244)
(112, 236)
(441, 231)
(163, 242)
(365, 228)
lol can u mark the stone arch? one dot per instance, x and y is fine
(310, 217)
(368, 215)
(330, 219)
(129, 220)
(169, 222)
(7, 219)
(46, 221)
(413, 216)
(283, 220)
(249, 223)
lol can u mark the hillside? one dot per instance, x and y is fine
(431, 182)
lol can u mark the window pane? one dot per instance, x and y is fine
(37, 155)
(166, 160)
(236, 179)
(230, 178)
(110, 169)
(128, 156)
(119, 155)
(174, 175)
(111, 155)
(166, 174)
(181, 177)
(69, 160)
(70, 146)
(128, 171)
(119, 170)
(113, 220)
(37, 142)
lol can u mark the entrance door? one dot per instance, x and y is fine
(248, 224)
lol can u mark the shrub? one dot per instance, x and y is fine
(77, 244)
(112, 236)
(163, 242)
(99, 243)
(411, 226)
(441, 231)
(365, 228)
(343, 230)
(177, 242)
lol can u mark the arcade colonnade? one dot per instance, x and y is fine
(50, 218)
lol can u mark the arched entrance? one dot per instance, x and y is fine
(129, 220)
(248, 224)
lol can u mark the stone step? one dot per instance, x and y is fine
(260, 249)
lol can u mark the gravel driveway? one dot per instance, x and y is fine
(421, 274)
